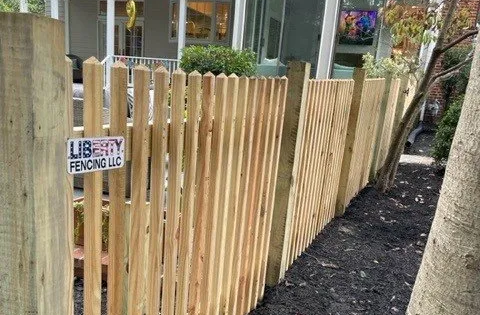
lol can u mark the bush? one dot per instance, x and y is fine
(456, 84)
(397, 66)
(218, 59)
(446, 131)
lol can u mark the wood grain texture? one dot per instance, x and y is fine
(273, 182)
(35, 240)
(175, 159)
(139, 214)
(92, 122)
(215, 191)
(69, 178)
(157, 190)
(117, 245)
(298, 75)
(233, 207)
(240, 249)
(347, 165)
(202, 196)
(188, 192)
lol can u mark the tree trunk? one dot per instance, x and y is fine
(386, 174)
(449, 278)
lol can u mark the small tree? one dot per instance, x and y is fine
(422, 27)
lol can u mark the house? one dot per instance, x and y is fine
(277, 30)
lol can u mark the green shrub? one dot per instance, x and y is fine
(457, 83)
(218, 59)
(446, 131)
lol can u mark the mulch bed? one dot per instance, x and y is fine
(365, 262)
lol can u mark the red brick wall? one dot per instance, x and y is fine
(436, 92)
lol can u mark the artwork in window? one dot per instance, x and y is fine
(357, 27)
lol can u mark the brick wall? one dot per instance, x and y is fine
(436, 92)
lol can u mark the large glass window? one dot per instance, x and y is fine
(283, 30)
(263, 33)
(206, 21)
(302, 31)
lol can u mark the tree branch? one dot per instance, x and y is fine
(458, 40)
(449, 70)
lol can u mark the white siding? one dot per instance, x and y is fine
(61, 9)
(156, 30)
(83, 28)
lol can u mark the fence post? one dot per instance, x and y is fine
(402, 98)
(298, 75)
(359, 77)
(380, 127)
(35, 243)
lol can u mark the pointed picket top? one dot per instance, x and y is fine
(243, 77)
(179, 71)
(161, 69)
(119, 64)
(195, 73)
(141, 67)
(262, 78)
(233, 75)
(208, 74)
(91, 61)
(222, 76)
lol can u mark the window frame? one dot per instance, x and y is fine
(213, 27)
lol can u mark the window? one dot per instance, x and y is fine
(206, 21)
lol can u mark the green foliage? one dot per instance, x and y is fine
(218, 59)
(446, 131)
(418, 25)
(456, 84)
(34, 6)
(397, 66)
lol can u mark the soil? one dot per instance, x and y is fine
(423, 143)
(365, 262)
(78, 296)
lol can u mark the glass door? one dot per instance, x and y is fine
(126, 43)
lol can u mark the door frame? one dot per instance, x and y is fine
(121, 23)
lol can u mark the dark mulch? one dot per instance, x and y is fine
(365, 262)
(423, 143)
(78, 297)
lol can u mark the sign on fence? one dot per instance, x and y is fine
(86, 155)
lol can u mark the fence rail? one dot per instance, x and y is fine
(132, 61)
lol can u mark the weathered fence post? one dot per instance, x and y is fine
(298, 75)
(380, 127)
(35, 244)
(359, 76)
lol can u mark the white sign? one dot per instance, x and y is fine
(86, 155)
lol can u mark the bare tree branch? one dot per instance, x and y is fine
(450, 70)
(458, 40)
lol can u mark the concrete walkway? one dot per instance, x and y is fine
(416, 159)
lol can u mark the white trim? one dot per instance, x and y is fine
(238, 24)
(67, 26)
(182, 19)
(23, 6)
(110, 31)
(54, 9)
(328, 39)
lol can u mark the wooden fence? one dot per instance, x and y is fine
(230, 182)
(336, 137)
(328, 103)
(199, 245)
